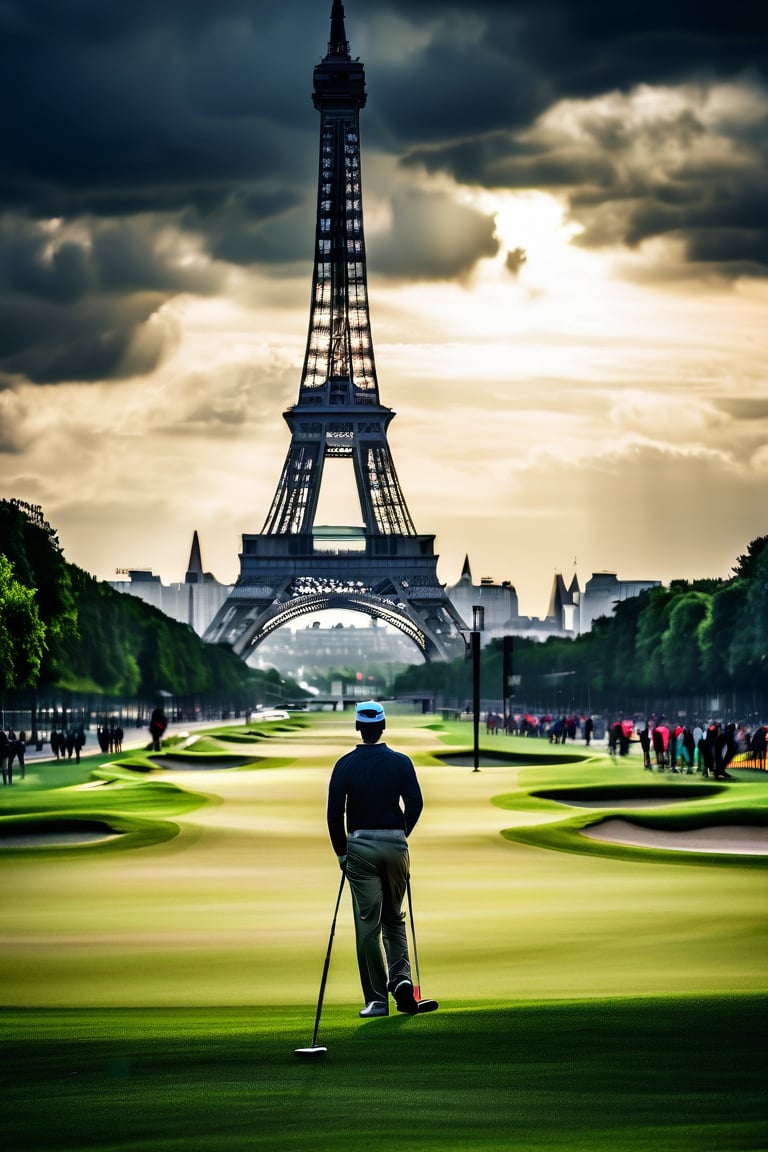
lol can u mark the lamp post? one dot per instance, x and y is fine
(478, 621)
(506, 677)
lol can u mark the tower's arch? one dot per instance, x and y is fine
(375, 607)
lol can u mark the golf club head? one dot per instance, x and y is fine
(428, 1006)
(314, 1050)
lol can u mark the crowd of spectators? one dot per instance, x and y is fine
(703, 747)
(110, 737)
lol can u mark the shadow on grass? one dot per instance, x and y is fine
(667, 1074)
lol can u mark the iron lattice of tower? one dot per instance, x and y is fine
(383, 568)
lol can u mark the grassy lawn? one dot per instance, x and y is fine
(156, 984)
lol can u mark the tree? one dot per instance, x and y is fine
(652, 624)
(728, 610)
(749, 645)
(32, 546)
(681, 653)
(60, 627)
(620, 670)
(22, 633)
(746, 566)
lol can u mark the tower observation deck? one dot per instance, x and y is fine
(381, 567)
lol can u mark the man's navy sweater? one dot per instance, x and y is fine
(367, 786)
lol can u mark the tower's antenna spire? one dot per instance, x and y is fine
(338, 45)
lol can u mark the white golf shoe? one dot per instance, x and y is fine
(375, 1008)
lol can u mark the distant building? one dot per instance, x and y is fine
(563, 614)
(604, 591)
(570, 612)
(195, 601)
(498, 600)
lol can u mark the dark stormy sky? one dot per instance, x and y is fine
(566, 217)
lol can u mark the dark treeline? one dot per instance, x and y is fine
(697, 646)
(77, 635)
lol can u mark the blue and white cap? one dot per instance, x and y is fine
(369, 712)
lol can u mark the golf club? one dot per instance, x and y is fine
(424, 1005)
(316, 1049)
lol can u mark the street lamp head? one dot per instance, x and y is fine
(478, 617)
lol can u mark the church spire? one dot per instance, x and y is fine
(338, 45)
(195, 566)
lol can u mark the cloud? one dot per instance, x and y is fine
(686, 163)
(14, 436)
(83, 300)
(265, 225)
(464, 72)
(749, 410)
(245, 398)
(515, 260)
(431, 237)
(165, 107)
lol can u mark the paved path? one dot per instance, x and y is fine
(132, 738)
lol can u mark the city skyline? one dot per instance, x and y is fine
(567, 264)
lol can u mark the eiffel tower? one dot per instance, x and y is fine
(383, 568)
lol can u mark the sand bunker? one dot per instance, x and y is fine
(729, 839)
(210, 764)
(55, 839)
(619, 802)
(651, 796)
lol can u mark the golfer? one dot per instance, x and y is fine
(374, 801)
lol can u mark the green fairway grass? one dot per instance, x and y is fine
(613, 1076)
(154, 987)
